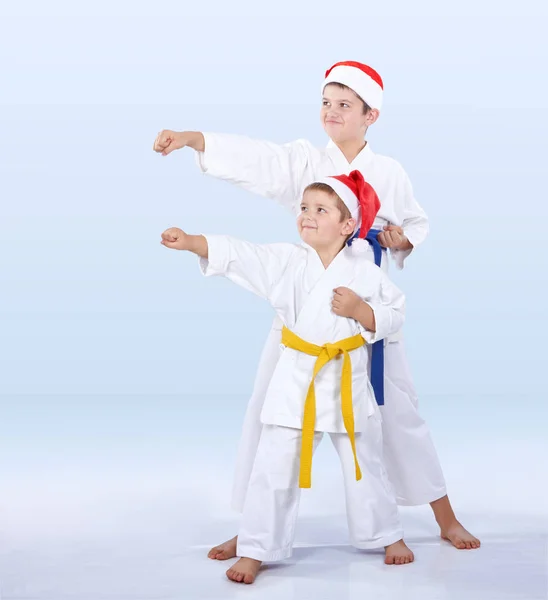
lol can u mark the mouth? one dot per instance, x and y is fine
(308, 227)
(331, 122)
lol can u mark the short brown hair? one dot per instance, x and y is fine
(366, 107)
(323, 187)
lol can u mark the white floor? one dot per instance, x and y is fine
(511, 564)
(132, 517)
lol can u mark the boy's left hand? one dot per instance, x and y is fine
(392, 237)
(345, 302)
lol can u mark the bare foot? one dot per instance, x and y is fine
(224, 551)
(244, 570)
(398, 554)
(459, 537)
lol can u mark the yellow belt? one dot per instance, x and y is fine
(324, 353)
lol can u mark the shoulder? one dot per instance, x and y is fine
(367, 267)
(287, 250)
(389, 165)
(302, 147)
(307, 148)
(302, 143)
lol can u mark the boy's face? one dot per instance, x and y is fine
(342, 114)
(320, 224)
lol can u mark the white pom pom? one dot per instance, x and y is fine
(360, 246)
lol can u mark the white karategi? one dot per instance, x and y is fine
(282, 172)
(299, 288)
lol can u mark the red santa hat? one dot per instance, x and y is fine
(360, 198)
(360, 78)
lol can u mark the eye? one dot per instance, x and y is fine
(325, 103)
(322, 210)
(303, 208)
(344, 105)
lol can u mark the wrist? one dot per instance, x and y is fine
(359, 310)
(191, 242)
(405, 244)
(196, 140)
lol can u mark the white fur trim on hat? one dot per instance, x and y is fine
(346, 195)
(358, 81)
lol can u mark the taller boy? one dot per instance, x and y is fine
(351, 103)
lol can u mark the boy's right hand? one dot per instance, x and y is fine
(175, 238)
(168, 140)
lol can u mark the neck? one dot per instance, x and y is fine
(351, 148)
(327, 255)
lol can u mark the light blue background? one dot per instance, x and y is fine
(121, 369)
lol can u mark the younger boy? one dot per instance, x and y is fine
(332, 300)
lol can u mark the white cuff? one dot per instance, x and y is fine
(218, 252)
(383, 320)
(203, 158)
(399, 256)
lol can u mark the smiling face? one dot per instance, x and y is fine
(344, 115)
(324, 222)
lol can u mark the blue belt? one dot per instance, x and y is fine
(377, 351)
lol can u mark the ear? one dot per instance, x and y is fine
(371, 117)
(349, 227)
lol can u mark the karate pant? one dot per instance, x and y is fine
(410, 458)
(272, 502)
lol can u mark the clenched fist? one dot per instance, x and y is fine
(393, 237)
(175, 238)
(346, 303)
(167, 141)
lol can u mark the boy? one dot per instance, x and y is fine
(309, 390)
(351, 103)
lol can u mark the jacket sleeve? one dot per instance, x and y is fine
(388, 304)
(264, 168)
(255, 267)
(414, 219)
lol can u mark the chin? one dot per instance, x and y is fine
(334, 132)
(307, 235)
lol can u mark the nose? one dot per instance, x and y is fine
(332, 115)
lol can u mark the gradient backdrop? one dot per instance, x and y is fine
(124, 374)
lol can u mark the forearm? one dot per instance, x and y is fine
(198, 245)
(414, 234)
(196, 141)
(365, 316)
(405, 245)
